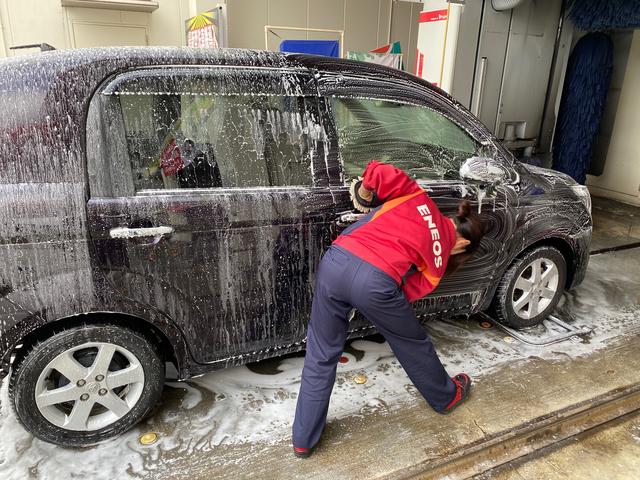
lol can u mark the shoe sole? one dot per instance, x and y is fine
(303, 454)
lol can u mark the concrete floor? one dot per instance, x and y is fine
(236, 423)
(609, 452)
(614, 224)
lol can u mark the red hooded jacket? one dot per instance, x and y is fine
(407, 237)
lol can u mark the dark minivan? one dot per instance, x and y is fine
(166, 205)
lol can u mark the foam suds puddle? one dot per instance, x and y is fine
(255, 404)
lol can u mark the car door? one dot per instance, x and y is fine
(422, 133)
(210, 201)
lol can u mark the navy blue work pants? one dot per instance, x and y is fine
(344, 281)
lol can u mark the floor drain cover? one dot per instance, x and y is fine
(148, 438)
(360, 379)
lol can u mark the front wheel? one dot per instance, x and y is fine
(531, 288)
(86, 384)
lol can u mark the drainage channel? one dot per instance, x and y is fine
(628, 246)
(532, 436)
(590, 463)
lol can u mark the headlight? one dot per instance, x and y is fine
(583, 194)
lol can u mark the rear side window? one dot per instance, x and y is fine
(197, 141)
(196, 132)
(422, 142)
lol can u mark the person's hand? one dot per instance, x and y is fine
(364, 193)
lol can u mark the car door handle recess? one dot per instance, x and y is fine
(114, 215)
(126, 232)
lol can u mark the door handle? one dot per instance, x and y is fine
(114, 215)
(351, 217)
(126, 232)
(346, 218)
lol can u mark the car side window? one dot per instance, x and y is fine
(206, 141)
(206, 132)
(420, 141)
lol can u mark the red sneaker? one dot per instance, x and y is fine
(463, 387)
(302, 452)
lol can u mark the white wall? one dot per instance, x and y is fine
(621, 177)
(74, 27)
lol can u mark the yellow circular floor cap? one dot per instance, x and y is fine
(360, 378)
(148, 438)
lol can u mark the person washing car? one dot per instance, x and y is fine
(395, 255)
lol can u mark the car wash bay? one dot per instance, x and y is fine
(532, 407)
(235, 423)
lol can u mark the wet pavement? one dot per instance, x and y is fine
(236, 423)
(614, 224)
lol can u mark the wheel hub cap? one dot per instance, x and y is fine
(93, 388)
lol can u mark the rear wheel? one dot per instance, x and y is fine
(86, 384)
(531, 288)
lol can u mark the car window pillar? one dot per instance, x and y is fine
(108, 164)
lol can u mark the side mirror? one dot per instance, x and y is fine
(485, 171)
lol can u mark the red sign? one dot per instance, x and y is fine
(434, 16)
(419, 63)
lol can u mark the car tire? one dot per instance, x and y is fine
(86, 384)
(530, 288)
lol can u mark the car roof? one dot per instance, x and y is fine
(89, 63)
(48, 66)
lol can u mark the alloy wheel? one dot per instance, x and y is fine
(90, 386)
(535, 288)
